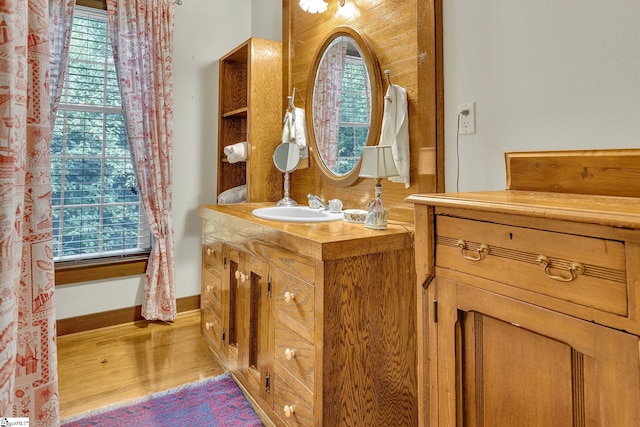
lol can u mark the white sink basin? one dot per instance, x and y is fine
(296, 214)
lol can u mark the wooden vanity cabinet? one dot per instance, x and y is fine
(250, 110)
(529, 299)
(324, 319)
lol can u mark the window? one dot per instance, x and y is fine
(97, 211)
(354, 115)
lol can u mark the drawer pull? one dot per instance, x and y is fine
(288, 410)
(209, 251)
(208, 325)
(481, 252)
(289, 296)
(289, 354)
(575, 269)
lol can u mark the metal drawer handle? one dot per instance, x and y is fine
(481, 252)
(575, 269)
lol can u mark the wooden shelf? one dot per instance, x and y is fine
(251, 75)
(238, 112)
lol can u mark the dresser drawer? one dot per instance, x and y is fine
(295, 354)
(582, 270)
(291, 394)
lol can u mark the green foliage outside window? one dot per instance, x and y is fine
(355, 115)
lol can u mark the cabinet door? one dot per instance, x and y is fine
(232, 320)
(504, 362)
(257, 338)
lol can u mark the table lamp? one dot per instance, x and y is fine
(377, 163)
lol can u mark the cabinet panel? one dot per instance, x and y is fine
(512, 363)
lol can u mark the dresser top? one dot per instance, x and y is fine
(591, 186)
(623, 212)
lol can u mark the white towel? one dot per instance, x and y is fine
(395, 131)
(236, 152)
(294, 130)
(233, 195)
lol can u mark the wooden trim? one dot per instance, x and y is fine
(116, 317)
(96, 4)
(75, 273)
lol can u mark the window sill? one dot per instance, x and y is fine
(73, 272)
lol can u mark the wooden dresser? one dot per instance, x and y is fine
(529, 298)
(316, 321)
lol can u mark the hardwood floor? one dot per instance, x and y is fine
(120, 363)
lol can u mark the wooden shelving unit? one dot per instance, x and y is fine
(250, 109)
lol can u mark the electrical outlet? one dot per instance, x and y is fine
(467, 122)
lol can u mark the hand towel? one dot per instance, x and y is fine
(236, 152)
(395, 131)
(294, 130)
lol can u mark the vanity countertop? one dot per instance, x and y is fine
(321, 240)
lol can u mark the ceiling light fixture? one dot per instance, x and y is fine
(316, 6)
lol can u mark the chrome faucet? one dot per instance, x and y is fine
(315, 202)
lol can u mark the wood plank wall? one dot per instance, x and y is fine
(406, 37)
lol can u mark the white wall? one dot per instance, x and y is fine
(266, 19)
(205, 30)
(545, 74)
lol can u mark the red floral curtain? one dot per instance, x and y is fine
(60, 21)
(327, 101)
(142, 38)
(28, 367)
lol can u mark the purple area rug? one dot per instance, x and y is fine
(215, 401)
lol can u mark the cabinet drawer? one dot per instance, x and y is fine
(301, 361)
(212, 254)
(291, 393)
(582, 270)
(294, 303)
(211, 292)
(211, 327)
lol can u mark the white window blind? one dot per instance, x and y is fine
(97, 211)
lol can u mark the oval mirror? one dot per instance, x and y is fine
(345, 104)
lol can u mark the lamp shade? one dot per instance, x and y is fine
(313, 6)
(377, 162)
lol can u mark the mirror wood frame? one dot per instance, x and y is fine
(375, 83)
